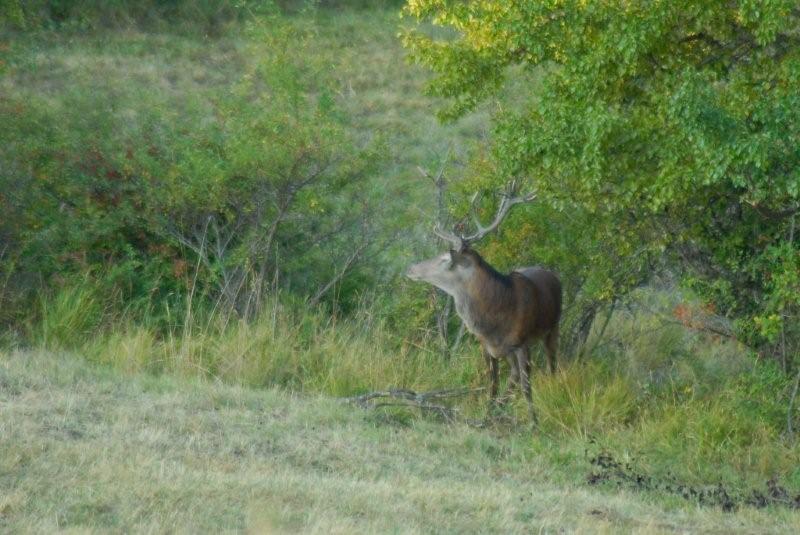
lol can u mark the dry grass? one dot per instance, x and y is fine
(85, 449)
(675, 404)
(166, 434)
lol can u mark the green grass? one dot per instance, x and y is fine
(114, 419)
(285, 346)
(674, 403)
(85, 448)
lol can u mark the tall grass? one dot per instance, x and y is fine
(69, 318)
(675, 402)
(287, 345)
(582, 400)
(683, 403)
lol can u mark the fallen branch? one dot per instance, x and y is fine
(409, 398)
(447, 413)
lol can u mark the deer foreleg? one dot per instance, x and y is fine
(524, 367)
(551, 348)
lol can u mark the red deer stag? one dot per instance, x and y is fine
(505, 312)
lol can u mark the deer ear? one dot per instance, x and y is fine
(458, 258)
(455, 257)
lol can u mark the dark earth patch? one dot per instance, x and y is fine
(608, 470)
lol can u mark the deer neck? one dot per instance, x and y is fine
(482, 300)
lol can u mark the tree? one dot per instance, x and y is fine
(675, 124)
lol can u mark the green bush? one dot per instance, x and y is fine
(224, 191)
(640, 121)
(208, 15)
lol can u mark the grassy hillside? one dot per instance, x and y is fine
(84, 448)
(130, 399)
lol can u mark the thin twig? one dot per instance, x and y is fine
(459, 336)
(790, 410)
(342, 272)
(403, 393)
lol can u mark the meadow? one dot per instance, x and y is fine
(88, 449)
(143, 387)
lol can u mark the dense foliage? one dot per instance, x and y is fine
(226, 191)
(671, 128)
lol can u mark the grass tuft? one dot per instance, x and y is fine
(70, 318)
(582, 400)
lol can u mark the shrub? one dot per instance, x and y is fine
(225, 192)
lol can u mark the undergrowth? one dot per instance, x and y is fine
(671, 401)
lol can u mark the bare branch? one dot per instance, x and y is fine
(441, 187)
(403, 393)
(342, 272)
(462, 329)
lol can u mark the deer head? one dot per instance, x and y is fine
(459, 242)
(450, 270)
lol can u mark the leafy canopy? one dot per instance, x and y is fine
(683, 117)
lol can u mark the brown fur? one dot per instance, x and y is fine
(508, 313)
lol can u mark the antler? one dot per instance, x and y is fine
(509, 200)
(458, 243)
(502, 211)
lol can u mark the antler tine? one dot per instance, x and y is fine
(474, 212)
(457, 241)
(511, 187)
(506, 203)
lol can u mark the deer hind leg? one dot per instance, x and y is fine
(524, 366)
(493, 365)
(513, 376)
(551, 348)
